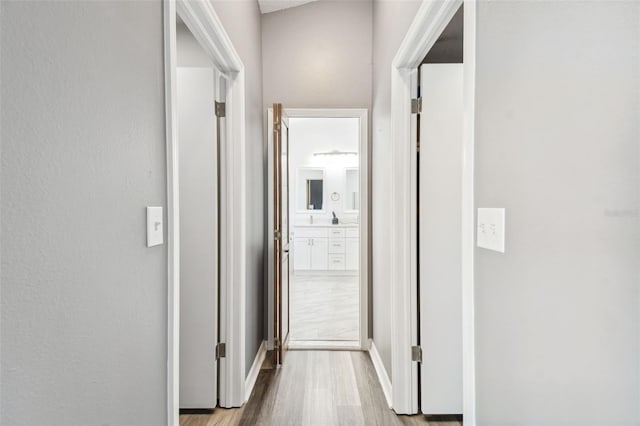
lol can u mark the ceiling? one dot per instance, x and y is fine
(267, 6)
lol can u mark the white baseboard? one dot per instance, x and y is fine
(252, 377)
(383, 377)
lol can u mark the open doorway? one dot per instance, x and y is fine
(324, 204)
(205, 120)
(432, 116)
(201, 90)
(439, 130)
(326, 219)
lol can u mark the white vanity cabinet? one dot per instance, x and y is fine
(352, 255)
(337, 249)
(301, 253)
(319, 258)
(310, 249)
(326, 248)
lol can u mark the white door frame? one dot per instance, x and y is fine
(431, 18)
(363, 222)
(201, 19)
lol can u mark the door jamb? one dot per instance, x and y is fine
(431, 19)
(363, 153)
(201, 19)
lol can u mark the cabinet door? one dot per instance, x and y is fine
(320, 254)
(353, 254)
(301, 254)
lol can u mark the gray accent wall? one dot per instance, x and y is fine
(241, 20)
(391, 21)
(318, 55)
(83, 300)
(189, 52)
(558, 145)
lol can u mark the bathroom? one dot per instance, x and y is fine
(325, 242)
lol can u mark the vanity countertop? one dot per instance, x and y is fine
(327, 225)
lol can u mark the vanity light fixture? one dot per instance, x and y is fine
(336, 152)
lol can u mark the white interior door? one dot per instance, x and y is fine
(198, 156)
(440, 221)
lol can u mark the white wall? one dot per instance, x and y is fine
(558, 145)
(311, 135)
(84, 301)
(391, 20)
(241, 20)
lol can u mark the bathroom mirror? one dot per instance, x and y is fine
(310, 192)
(314, 194)
(352, 186)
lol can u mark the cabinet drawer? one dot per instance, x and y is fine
(336, 262)
(353, 233)
(352, 256)
(309, 232)
(336, 233)
(336, 246)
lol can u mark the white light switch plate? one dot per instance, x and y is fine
(491, 229)
(154, 226)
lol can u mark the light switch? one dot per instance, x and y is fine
(154, 226)
(491, 229)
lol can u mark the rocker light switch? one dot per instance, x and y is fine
(154, 226)
(491, 229)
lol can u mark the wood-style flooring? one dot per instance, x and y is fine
(324, 308)
(314, 388)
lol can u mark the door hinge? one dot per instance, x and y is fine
(221, 109)
(276, 343)
(416, 106)
(416, 353)
(277, 235)
(221, 350)
(277, 127)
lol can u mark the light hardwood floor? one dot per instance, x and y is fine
(314, 388)
(324, 308)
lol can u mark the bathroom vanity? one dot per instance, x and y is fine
(326, 247)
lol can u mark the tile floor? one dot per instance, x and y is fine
(324, 308)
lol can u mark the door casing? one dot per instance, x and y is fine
(201, 19)
(431, 19)
(364, 217)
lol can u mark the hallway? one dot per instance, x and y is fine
(314, 388)
(150, 254)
